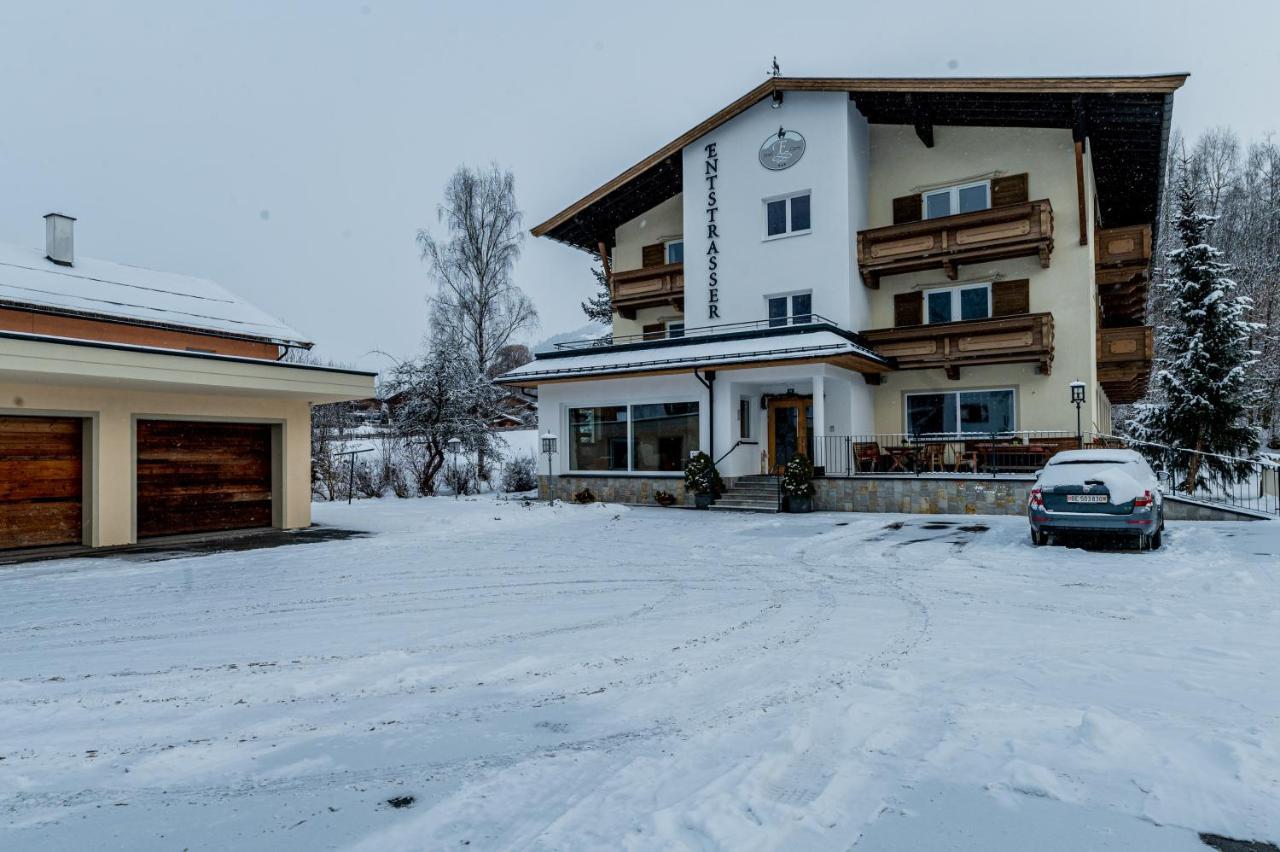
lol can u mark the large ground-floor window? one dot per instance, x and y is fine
(950, 412)
(649, 437)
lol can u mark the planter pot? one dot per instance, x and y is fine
(702, 501)
(799, 505)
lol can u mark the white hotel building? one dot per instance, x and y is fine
(842, 266)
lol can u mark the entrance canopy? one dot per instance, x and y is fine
(772, 347)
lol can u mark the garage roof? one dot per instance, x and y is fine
(101, 289)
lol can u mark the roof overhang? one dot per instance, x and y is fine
(1126, 119)
(735, 351)
(40, 359)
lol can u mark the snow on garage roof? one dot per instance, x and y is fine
(686, 354)
(101, 289)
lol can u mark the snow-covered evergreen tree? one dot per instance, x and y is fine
(1202, 377)
(599, 308)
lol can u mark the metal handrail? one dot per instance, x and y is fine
(701, 331)
(740, 443)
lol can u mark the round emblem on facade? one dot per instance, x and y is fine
(782, 150)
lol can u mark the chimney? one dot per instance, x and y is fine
(59, 238)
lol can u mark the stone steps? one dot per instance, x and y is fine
(762, 507)
(750, 494)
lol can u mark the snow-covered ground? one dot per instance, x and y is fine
(595, 677)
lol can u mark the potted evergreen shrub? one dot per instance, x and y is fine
(703, 480)
(797, 484)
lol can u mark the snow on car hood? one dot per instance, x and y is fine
(1122, 485)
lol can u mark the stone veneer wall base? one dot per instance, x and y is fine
(920, 495)
(927, 495)
(632, 490)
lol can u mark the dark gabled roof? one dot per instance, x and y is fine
(1126, 120)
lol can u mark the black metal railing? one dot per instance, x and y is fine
(975, 453)
(699, 331)
(1238, 483)
(725, 454)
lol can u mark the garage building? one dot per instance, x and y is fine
(136, 404)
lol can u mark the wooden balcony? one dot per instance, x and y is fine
(1022, 338)
(1122, 269)
(946, 243)
(1124, 362)
(650, 287)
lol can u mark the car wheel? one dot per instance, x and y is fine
(1039, 538)
(1157, 538)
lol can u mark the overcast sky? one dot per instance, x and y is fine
(291, 150)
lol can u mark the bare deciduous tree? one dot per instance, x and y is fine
(477, 311)
(477, 308)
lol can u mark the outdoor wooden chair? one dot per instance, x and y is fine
(933, 457)
(867, 456)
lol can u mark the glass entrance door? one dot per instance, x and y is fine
(790, 421)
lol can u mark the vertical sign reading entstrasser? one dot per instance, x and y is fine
(710, 174)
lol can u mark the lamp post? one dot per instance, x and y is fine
(1077, 397)
(549, 448)
(454, 445)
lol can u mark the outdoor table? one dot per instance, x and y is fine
(902, 458)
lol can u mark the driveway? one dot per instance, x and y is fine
(561, 677)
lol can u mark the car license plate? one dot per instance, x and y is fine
(1086, 498)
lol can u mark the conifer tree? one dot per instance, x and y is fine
(1202, 388)
(599, 308)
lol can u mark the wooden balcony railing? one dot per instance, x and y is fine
(1012, 230)
(1124, 362)
(650, 287)
(1002, 340)
(1123, 261)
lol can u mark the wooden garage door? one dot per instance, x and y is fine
(202, 477)
(41, 481)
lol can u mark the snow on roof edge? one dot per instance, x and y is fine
(116, 292)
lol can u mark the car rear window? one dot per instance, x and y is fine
(1091, 461)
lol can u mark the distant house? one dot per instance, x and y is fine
(517, 410)
(136, 403)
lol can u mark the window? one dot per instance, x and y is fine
(798, 307)
(744, 417)
(599, 438)
(962, 198)
(984, 412)
(675, 251)
(785, 216)
(662, 435)
(949, 304)
(650, 437)
(675, 329)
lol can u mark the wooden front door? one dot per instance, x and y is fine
(789, 422)
(202, 477)
(41, 481)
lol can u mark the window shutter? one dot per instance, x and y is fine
(655, 330)
(654, 255)
(1010, 297)
(1010, 189)
(908, 308)
(907, 209)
